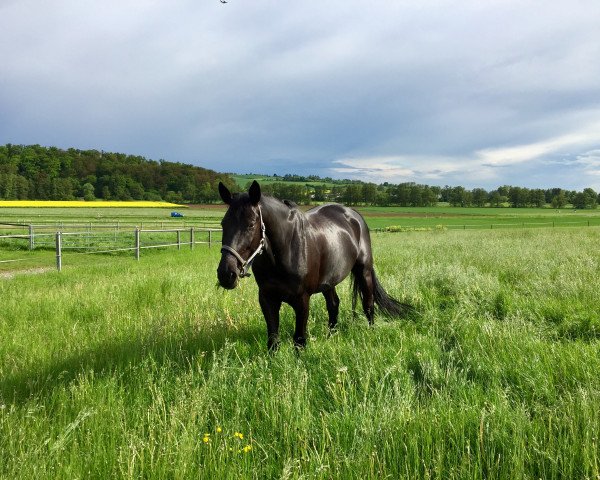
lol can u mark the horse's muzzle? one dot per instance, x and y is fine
(227, 273)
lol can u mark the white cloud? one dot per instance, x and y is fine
(578, 140)
(375, 168)
(398, 169)
(590, 161)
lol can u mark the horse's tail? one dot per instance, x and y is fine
(387, 304)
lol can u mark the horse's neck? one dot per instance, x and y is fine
(285, 231)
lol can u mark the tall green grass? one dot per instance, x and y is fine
(119, 370)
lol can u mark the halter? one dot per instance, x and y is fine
(246, 264)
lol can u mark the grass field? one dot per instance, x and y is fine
(110, 215)
(473, 218)
(118, 369)
(376, 217)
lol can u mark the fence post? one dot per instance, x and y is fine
(192, 238)
(178, 239)
(210, 238)
(31, 238)
(58, 251)
(137, 243)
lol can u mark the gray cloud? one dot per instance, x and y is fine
(442, 92)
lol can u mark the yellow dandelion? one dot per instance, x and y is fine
(219, 429)
(238, 435)
(206, 439)
(247, 448)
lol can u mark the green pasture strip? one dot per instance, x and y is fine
(113, 216)
(377, 217)
(125, 369)
(444, 210)
(478, 223)
(477, 218)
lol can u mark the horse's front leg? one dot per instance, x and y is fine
(300, 306)
(270, 306)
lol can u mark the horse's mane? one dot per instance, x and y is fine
(276, 202)
(286, 209)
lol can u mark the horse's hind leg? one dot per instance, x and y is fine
(333, 306)
(364, 278)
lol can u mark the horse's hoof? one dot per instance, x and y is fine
(300, 342)
(273, 345)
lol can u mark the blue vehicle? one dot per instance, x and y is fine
(176, 214)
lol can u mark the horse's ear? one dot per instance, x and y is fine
(254, 193)
(225, 193)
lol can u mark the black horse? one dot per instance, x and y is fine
(294, 255)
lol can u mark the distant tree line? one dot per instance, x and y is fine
(49, 173)
(313, 178)
(416, 195)
(519, 197)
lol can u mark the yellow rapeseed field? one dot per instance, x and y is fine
(81, 203)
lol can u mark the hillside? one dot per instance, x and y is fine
(34, 172)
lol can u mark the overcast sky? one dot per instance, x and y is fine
(473, 93)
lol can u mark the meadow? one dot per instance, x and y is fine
(121, 369)
(476, 217)
(376, 217)
(99, 214)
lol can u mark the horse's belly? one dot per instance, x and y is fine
(336, 276)
(336, 267)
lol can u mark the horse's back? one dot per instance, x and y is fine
(343, 240)
(336, 214)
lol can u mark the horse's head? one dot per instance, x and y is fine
(243, 236)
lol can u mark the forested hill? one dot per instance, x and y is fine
(49, 173)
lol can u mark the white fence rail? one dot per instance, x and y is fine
(102, 242)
